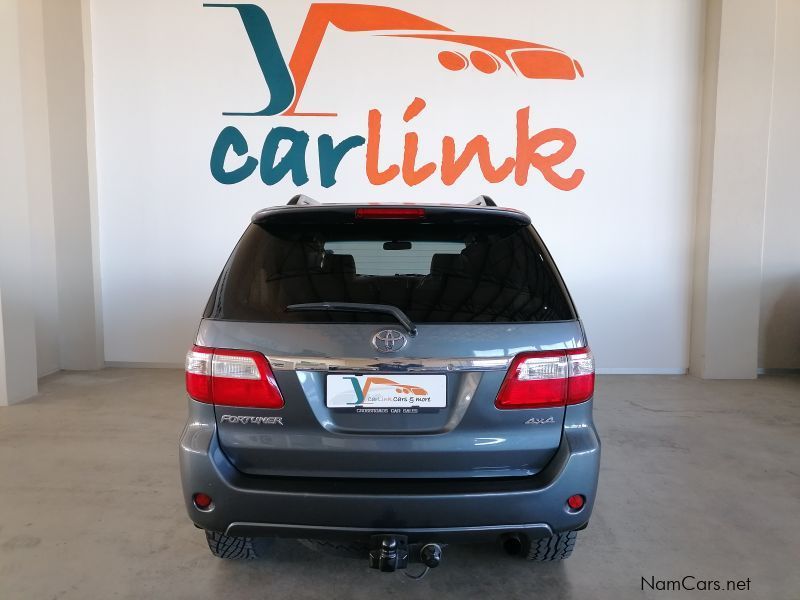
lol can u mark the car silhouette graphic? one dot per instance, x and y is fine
(487, 54)
(381, 383)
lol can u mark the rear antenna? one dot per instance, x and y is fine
(302, 200)
(482, 200)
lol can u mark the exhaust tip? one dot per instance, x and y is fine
(512, 544)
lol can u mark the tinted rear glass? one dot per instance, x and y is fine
(392, 257)
(434, 272)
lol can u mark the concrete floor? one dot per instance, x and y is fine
(699, 478)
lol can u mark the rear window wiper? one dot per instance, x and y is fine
(387, 309)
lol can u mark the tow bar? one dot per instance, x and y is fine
(390, 553)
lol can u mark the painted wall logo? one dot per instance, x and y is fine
(286, 81)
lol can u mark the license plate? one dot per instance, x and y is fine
(386, 391)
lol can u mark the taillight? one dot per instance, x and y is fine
(389, 213)
(198, 373)
(580, 383)
(231, 378)
(548, 378)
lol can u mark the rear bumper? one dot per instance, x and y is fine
(441, 510)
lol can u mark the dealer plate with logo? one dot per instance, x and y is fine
(386, 392)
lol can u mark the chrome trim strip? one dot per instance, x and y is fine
(409, 365)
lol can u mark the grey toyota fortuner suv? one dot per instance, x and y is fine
(390, 378)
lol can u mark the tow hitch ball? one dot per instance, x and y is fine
(391, 552)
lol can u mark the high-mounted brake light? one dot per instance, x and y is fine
(548, 378)
(231, 378)
(389, 213)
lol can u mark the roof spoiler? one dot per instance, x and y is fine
(303, 200)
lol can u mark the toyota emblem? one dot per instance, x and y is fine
(389, 340)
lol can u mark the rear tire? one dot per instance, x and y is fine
(235, 548)
(555, 547)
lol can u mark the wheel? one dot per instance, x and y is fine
(556, 547)
(235, 548)
(338, 548)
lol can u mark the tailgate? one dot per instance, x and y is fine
(425, 411)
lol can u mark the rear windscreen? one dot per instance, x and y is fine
(434, 272)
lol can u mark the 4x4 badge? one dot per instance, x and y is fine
(389, 340)
(535, 421)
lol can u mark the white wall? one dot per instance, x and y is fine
(80, 330)
(36, 124)
(732, 190)
(50, 317)
(17, 326)
(705, 165)
(779, 339)
(165, 72)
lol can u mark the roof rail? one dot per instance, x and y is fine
(302, 200)
(482, 200)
